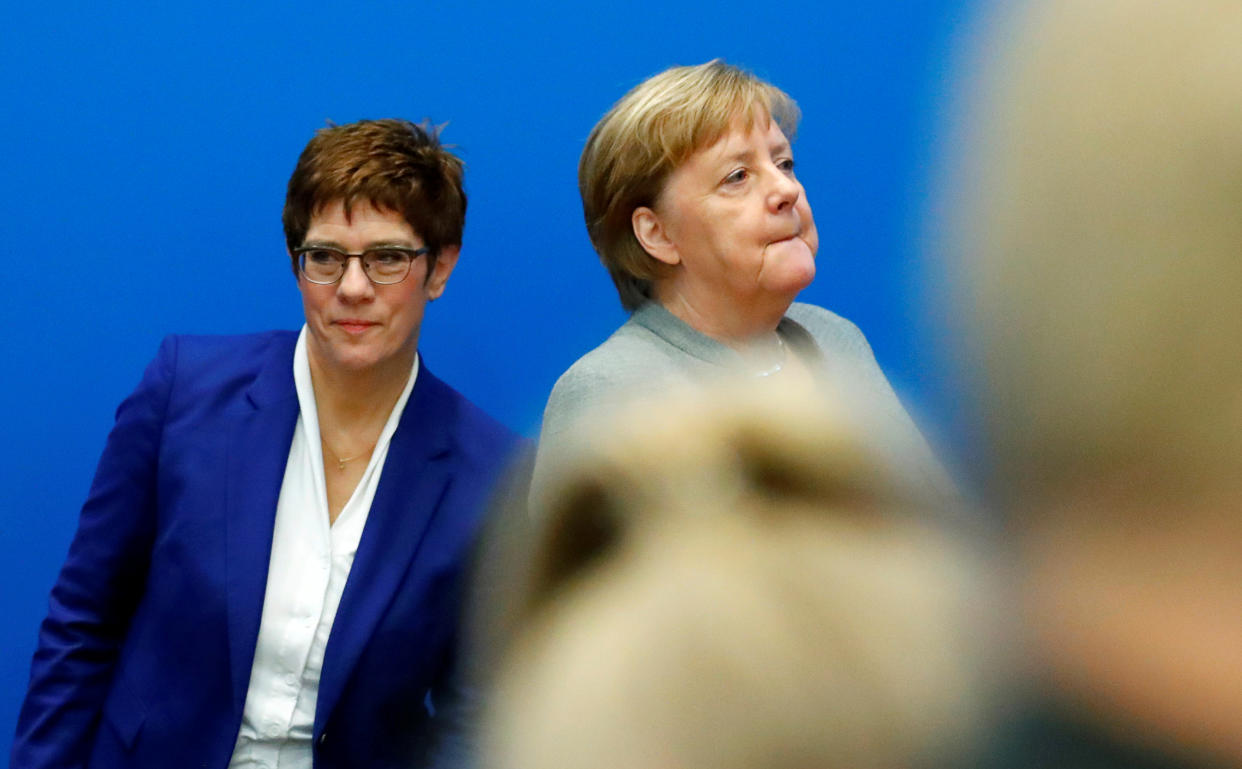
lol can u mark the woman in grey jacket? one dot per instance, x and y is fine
(690, 198)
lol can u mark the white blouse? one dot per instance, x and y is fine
(309, 566)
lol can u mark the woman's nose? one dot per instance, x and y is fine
(354, 283)
(784, 192)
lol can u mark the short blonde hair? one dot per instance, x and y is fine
(648, 133)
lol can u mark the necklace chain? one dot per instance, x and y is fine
(340, 462)
(779, 364)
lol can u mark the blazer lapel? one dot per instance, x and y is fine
(257, 454)
(415, 476)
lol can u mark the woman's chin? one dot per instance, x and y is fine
(791, 276)
(807, 276)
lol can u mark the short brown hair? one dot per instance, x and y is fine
(644, 137)
(391, 164)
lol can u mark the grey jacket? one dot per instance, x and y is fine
(654, 350)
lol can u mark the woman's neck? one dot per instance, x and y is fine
(746, 329)
(350, 400)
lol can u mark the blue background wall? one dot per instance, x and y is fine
(145, 152)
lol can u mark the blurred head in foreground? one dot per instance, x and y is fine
(1100, 221)
(731, 581)
(1105, 244)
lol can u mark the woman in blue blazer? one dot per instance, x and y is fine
(189, 626)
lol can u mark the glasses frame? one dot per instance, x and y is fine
(301, 253)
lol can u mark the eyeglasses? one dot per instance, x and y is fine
(384, 266)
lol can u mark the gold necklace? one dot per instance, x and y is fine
(340, 463)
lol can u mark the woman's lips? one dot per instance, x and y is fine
(795, 234)
(352, 326)
(790, 239)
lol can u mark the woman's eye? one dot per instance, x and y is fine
(786, 165)
(321, 257)
(389, 257)
(736, 177)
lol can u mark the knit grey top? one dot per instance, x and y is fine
(654, 350)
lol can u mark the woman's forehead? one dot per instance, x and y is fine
(741, 137)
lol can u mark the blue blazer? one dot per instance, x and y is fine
(144, 658)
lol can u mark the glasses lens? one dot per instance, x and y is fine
(386, 265)
(322, 265)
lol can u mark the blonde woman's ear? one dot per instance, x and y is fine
(653, 236)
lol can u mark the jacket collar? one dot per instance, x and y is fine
(258, 450)
(655, 318)
(416, 475)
